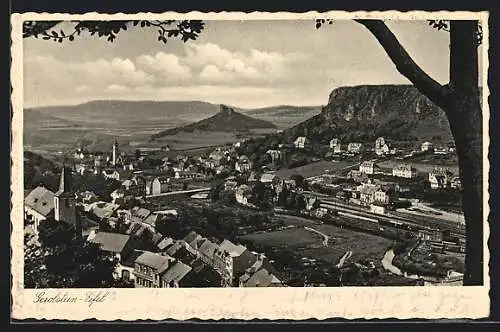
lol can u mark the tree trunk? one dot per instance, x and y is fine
(465, 117)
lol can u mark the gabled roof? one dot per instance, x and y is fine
(208, 248)
(175, 273)
(140, 213)
(111, 242)
(191, 236)
(155, 261)
(165, 243)
(41, 200)
(232, 249)
(262, 278)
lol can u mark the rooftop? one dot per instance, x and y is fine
(41, 200)
(176, 272)
(155, 261)
(111, 242)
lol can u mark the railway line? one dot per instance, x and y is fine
(403, 222)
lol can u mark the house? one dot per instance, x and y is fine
(243, 164)
(215, 158)
(426, 146)
(102, 210)
(38, 206)
(381, 147)
(355, 147)
(404, 171)
(232, 260)
(260, 278)
(135, 186)
(367, 193)
(441, 150)
(275, 155)
(335, 145)
(161, 185)
(440, 177)
(206, 250)
(173, 277)
(300, 142)
(149, 267)
(268, 178)
(120, 246)
(139, 214)
(110, 173)
(243, 193)
(368, 167)
(383, 196)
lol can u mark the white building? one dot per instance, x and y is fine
(335, 145)
(381, 146)
(426, 146)
(404, 171)
(354, 147)
(368, 167)
(300, 142)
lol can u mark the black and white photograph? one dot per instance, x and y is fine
(253, 153)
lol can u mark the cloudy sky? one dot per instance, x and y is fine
(241, 63)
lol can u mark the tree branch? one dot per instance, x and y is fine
(405, 65)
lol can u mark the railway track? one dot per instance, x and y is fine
(392, 219)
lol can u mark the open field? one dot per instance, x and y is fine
(197, 139)
(315, 169)
(309, 244)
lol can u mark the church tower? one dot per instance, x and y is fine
(64, 201)
(115, 152)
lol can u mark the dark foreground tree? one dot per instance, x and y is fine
(60, 260)
(459, 99)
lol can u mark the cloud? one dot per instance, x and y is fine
(165, 65)
(201, 68)
(82, 88)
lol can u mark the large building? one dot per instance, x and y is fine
(404, 171)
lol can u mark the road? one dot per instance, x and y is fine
(387, 263)
(325, 237)
(170, 193)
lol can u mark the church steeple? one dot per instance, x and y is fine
(115, 152)
(64, 182)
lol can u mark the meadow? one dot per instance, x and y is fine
(309, 244)
(315, 169)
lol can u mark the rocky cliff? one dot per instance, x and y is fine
(363, 113)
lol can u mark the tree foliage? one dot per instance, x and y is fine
(59, 260)
(184, 30)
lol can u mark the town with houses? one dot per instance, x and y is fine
(170, 219)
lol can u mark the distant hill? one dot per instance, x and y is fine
(34, 118)
(363, 113)
(284, 116)
(124, 113)
(226, 120)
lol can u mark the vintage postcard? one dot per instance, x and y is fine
(241, 166)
